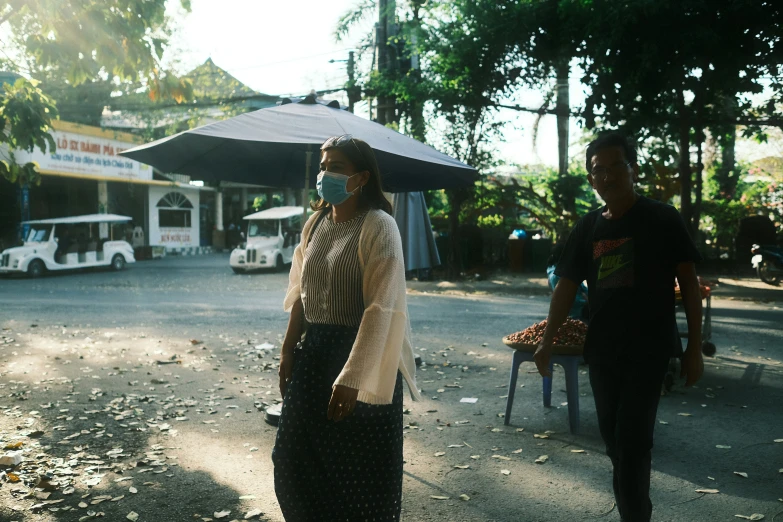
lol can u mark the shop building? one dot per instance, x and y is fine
(86, 175)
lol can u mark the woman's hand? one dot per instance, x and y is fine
(342, 403)
(285, 370)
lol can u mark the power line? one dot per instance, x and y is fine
(269, 64)
(215, 102)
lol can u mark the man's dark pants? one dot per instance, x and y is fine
(626, 401)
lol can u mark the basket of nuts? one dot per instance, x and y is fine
(570, 338)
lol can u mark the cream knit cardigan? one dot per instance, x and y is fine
(382, 344)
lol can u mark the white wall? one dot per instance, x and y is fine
(168, 236)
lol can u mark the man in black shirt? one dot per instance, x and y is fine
(629, 252)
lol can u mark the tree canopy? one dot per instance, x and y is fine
(680, 77)
(97, 44)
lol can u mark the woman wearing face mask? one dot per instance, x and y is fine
(338, 453)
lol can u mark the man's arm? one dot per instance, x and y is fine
(692, 362)
(562, 301)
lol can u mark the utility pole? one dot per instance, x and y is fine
(416, 106)
(387, 57)
(354, 92)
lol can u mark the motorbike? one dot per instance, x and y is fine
(768, 262)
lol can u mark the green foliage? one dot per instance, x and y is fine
(70, 43)
(538, 198)
(349, 19)
(25, 117)
(757, 192)
(437, 205)
(491, 221)
(662, 71)
(24, 174)
(82, 103)
(716, 58)
(268, 200)
(84, 38)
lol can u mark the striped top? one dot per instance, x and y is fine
(382, 346)
(332, 291)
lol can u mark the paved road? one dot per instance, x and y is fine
(84, 359)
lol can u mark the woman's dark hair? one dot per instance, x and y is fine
(361, 155)
(607, 140)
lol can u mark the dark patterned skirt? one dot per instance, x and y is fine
(349, 470)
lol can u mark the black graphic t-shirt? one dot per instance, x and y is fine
(630, 266)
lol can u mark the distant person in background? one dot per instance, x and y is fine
(231, 235)
(63, 244)
(580, 310)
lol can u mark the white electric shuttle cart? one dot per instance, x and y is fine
(271, 237)
(67, 244)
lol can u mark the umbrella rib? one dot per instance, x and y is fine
(341, 127)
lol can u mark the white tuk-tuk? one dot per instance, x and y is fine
(67, 244)
(272, 236)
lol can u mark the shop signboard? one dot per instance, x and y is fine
(86, 155)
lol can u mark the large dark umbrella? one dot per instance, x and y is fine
(275, 147)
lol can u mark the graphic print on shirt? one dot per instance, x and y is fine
(614, 259)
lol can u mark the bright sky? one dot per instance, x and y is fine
(285, 47)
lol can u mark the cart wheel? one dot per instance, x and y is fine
(36, 268)
(708, 349)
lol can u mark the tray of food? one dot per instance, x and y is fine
(704, 286)
(570, 339)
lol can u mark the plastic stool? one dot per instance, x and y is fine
(569, 358)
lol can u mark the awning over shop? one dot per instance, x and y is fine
(115, 179)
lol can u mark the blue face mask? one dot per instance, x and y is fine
(333, 187)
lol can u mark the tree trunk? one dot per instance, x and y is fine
(387, 59)
(699, 183)
(417, 126)
(563, 109)
(456, 198)
(686, 206)
(727, 174)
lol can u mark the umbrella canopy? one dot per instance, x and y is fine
(269, 146)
